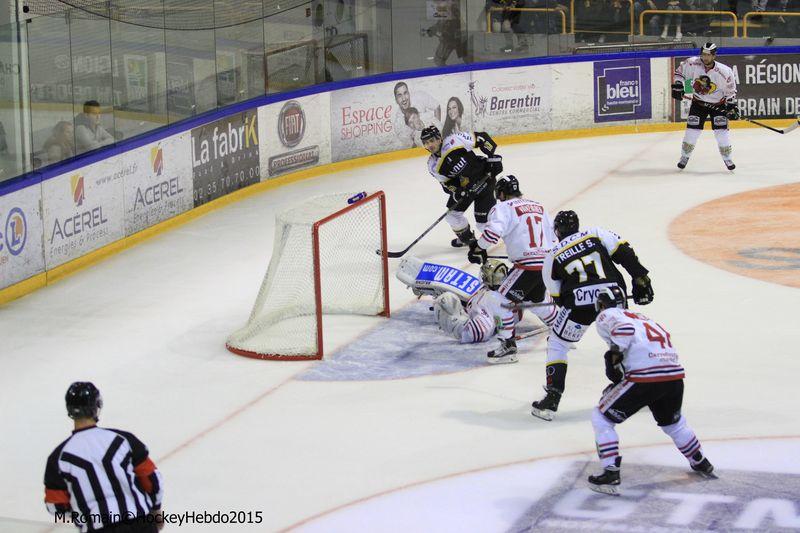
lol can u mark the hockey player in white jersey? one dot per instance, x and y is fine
(484, 316)
(467, 308)
(643, 367)
(714, 97)
(464, 175)
(527, 231)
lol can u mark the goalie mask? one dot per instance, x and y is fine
(608, 297)
(493, 272)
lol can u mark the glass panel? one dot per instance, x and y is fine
(240, 50)
(440, 37)
(49, 64)
(13, 116)
(293, 45)
(358, 38)
(90, 44)
(191, 59)
(139, 68)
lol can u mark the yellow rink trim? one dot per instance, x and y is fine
(31, 284)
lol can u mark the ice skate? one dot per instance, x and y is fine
(703, 466)
(683, 162)
(505, 353)
(608, 481)
(729, 164)
(546, 407)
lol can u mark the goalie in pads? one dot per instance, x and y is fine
(469, 312)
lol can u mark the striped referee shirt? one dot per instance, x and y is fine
(100, 477)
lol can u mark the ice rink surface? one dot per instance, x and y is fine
(423, 436)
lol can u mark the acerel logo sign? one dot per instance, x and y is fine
(157, 159)
(622, 90)
(81, 221)
(16, 232)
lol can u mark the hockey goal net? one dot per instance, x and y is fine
(328, 257)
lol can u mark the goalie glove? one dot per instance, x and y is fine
(613, 367)
(732, 111)
(677, 91)
(476, 254)
(642, 290)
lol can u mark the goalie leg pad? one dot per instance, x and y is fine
(450, 315)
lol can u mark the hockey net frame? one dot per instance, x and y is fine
(318, 276)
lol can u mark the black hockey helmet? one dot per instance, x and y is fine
(566, 223)
(709, 48)
(611, 296)
(430, 132)
(83, 400)
(507, 185)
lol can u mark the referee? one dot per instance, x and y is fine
(102, 479)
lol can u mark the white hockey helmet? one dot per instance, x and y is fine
(709, 48)
(493, 272)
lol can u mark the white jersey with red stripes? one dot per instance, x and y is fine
(713, 85)
(648, 353)
(487, 315)
(525, 228)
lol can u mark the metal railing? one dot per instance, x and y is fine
(688, 12)
(572, 21)
(766, 14)
(534, 9)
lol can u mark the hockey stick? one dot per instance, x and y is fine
(402, 252)
(532, 333)
(529, 305)
(791, 127)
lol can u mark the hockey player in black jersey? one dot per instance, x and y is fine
(465, 176)
(574, 271)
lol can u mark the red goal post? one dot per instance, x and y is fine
(329, 257)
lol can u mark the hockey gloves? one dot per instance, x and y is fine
(732, 111)
(642, 290)
(613, 367)
(476, 254)
(485, 143)
(677, 91)
(494, 165)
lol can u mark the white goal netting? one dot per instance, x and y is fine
(337, 272)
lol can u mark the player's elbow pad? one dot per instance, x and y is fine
(626, 257)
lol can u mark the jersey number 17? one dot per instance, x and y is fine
(535, 225)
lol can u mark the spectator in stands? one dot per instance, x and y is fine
(652, 22)
(507, 21)
(451, 37)
(672, 5)
(89, 133)
(591, 18)
(3, 141)
(701, 24)
(61, 143)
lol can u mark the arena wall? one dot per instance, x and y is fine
(69, 215)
